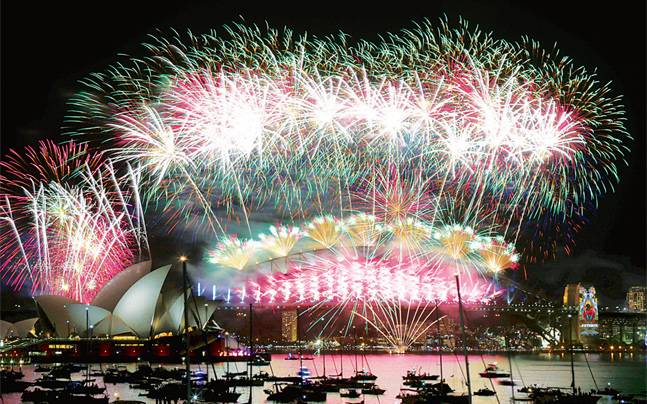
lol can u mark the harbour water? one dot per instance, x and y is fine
(624, 372)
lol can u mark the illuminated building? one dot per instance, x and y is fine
(289, 325)
(636, 299)
(582, 302)
(571, 294)
(587, 314)
(138, 303)
(623, 328)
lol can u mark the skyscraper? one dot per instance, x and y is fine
(636, 298)
(289, 325)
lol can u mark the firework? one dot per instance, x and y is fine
(232, 252)
(70, 235)
(363, 229)
(325, 230)
(357, 266)
(367, 151)
(281, 240)
(393, 129)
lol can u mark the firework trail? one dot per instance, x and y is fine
(301, 124)
(69, 229)
(388, 275)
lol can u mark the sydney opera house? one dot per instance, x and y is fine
(138, 314)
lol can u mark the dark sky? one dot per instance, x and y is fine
(47, 48)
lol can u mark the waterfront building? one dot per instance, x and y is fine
(289, 325)
(636, 299)
(137, 303)
(623, 328)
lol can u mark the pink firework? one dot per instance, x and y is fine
(342, 280)
(68, 230)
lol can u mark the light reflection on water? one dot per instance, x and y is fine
(626, 373)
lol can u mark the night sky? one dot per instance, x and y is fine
(47, 48)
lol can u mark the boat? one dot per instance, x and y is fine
(38, 395)
(373, 390)
(506, 382)
(284, 379)
(330, 385)
(363, 375)
(299, 357)
(425, 397)
(115, 376)
(51, 382)
(42, 369)
(221, 397)
(412, 375)
(313, 395)
(230, 375)
(54, 396)
(294, 392)
(218, 391)
(260, 361)
(408, 396)
(607, 391)
(556, 395)
(84, 387)
(484, 392)
(10, 374)
(441, 387)
(244, 381)
(351, 393)
(261, 375)
(492, 371)
(60, 373)
(528, 389)
(13, 385)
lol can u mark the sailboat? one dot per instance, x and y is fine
(440, 392)
(560, 395)
(363, 374)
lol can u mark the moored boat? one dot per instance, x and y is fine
(493, 371)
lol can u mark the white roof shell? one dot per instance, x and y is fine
(54, 310)
(7, 330)
(136, 308)
(25, 327)
(82, 315)
(110, 294)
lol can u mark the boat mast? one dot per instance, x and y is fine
(323, 356)
(301, 362)
(570, 343)
(507, 346)
(187, 363)
(355, 348)
(341, 362)
(251, 351)
(467, 363)
(440, 347)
